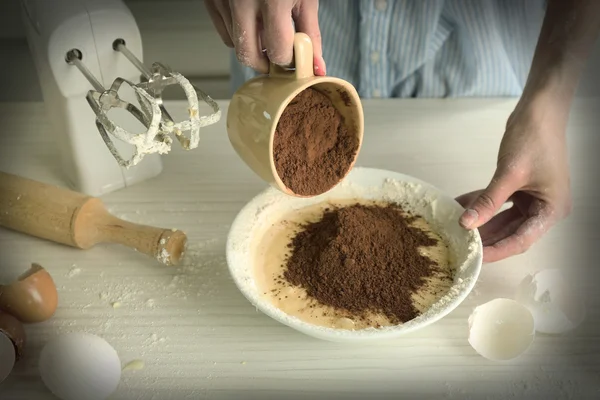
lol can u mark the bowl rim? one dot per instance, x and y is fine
(473, 263)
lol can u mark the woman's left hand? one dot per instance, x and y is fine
(532, 172)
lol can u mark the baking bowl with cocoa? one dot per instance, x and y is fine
(299, 132)
(378, 256)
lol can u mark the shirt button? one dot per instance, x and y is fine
(381, 5)
(376, 93)
(375, 57)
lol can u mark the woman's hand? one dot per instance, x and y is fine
(263, 30)
(532, 173)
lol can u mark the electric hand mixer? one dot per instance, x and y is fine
(86, 50)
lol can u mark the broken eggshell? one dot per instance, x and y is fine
(12, 342)
(556, 307)
(501, 329)
(32, 297)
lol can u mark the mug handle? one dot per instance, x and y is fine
(303, 60)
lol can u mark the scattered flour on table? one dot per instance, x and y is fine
(74, 271)
(123, 305)
(194, 277)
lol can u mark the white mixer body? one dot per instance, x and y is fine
(54, 28)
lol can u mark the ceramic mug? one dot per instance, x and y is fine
(257, 105)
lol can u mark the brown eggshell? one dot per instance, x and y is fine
(32, 297)
(13, 329)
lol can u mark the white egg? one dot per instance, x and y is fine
(555, 305)
(80, 366)
(501, 329)
(7, 356)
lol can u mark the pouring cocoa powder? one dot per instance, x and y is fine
(362, 259)
(312, 148)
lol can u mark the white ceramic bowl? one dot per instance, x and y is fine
(440, 209)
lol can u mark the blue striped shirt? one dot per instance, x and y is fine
(427, 48)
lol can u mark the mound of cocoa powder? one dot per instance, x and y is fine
(312, 148)
(361, 259)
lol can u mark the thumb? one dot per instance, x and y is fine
(489, 201)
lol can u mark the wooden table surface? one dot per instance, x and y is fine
(198, 336)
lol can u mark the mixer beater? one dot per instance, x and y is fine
(151, 114)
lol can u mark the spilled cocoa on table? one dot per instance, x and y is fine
(362, 259)
(312, 147)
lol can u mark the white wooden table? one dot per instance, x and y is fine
(199, 338)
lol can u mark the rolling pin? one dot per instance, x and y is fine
(77, 220)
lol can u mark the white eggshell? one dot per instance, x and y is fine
(555, 305)
(7, 356)
(80, 366)
(501, 329)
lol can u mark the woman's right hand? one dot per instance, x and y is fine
(262, 30)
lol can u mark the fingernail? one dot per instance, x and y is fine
(319, 66)
(469, 218)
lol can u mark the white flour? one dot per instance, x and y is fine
(123, 305)
(74, 271)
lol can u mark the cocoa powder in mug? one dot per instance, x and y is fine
(362, 259)
(312, 147)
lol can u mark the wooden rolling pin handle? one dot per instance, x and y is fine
(93, 224)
